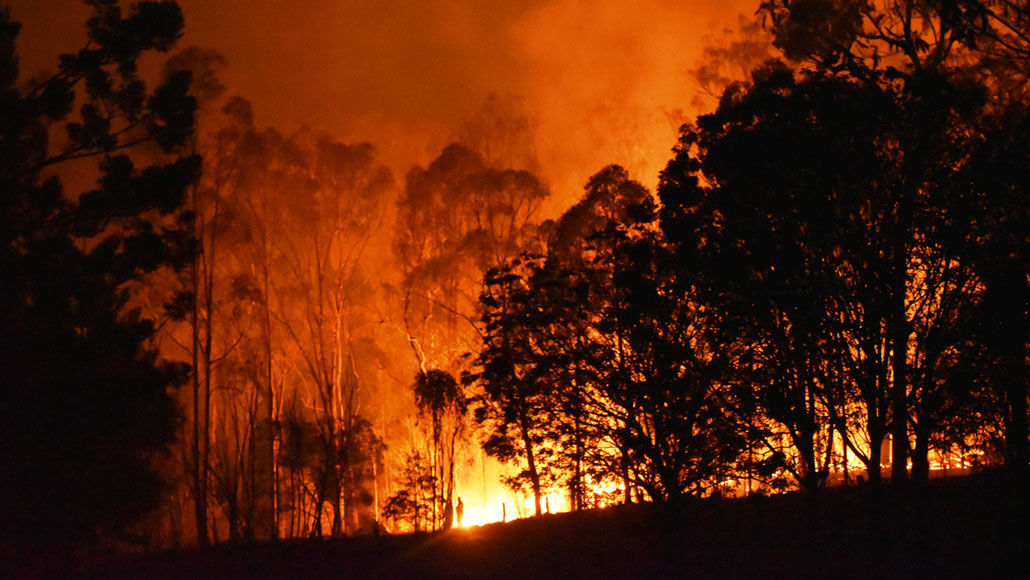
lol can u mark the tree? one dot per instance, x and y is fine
(339, 194)
(596, 361)
(729, 59)
(514, 396)
(827, 249)
(992, 238)
(84, 396)
(216, 319)
(439, 398)
(202, 293)
(906, 34)
(758, 243)
(927, 46)
(456, 219)
(418, 489)
(657, 386)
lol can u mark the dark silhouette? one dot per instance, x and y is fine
(460, 510)
(85, 411)
(830, 241)
(963, 93)
(594, 342)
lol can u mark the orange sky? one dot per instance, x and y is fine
(599, 76)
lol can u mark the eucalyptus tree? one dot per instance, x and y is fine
(339, 195)
(456, 219)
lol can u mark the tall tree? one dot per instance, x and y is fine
(84, 396)
(456, 219)
(927, 46)
(595, 356)
(441, 400)
(989, 225)
(339, 201)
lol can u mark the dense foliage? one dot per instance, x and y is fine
(838, 266)
(84, 401)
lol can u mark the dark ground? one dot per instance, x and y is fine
(970, 527)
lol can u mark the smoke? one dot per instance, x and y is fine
(385, 71)
(579, 85)
(604, 79)
(609, 81)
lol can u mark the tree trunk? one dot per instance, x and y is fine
(199, 467)
(534, 477)
(875, 457)
(809, 472)
(1014, 334)
(577, 478)
(264, 475)
(899, 332)
(899, 393)
(921, 453)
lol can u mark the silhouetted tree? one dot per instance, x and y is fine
(824, 244)
(514, 397)
(596, 356)
(84, 399)
(989, 228)
(413, 503)
(657, 384)
(931, 53)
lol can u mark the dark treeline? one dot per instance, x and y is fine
(270, 336)
(834, 267)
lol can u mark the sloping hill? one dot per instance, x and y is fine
(966, 528)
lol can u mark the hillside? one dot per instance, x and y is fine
(968, 527)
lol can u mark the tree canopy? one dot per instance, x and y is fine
(84, 398)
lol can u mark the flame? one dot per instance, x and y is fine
(501, 508)
(480, 513)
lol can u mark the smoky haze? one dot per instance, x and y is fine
(603, 80)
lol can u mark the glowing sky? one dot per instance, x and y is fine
(599, 76)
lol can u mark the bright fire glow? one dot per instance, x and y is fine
(478, 514)
(504, 508)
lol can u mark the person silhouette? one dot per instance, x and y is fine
(460, 511)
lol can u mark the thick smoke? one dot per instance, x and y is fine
(604, 79)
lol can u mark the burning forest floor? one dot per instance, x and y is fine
(967, 527)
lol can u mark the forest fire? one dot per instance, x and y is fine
(405, 268)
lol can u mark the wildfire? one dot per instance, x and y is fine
(500, 508)
(479, 513)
